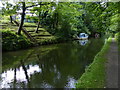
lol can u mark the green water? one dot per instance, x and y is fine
(50, 66)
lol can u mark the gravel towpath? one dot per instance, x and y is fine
(112, 66)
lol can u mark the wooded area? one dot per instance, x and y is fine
(67, 19)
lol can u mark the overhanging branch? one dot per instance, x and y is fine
(35, 5)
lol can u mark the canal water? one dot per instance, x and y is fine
(50, 66)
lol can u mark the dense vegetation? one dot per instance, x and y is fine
(12, 41)
(118, 40)
(67, 19)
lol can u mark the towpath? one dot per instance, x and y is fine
(112, 66)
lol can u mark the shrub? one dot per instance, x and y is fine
(12, 41)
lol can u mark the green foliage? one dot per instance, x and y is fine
(117, 36)
(9, 9)
(63, 21)
(67, 19)
(12, 41)
(4, 20)
(72, 18)
(114, 23)
(101, 17)
(32, 18)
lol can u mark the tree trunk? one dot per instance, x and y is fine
(38, 23)
(38, 26)
(11, 19)
(22, 18)
(25, 71)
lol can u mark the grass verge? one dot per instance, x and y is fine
(94, 76)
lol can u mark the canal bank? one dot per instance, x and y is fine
(12, 42)
(94, 76)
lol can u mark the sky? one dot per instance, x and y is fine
(12, 1)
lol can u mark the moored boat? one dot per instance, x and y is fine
(82, 36)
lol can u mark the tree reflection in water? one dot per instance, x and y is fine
(59, 65)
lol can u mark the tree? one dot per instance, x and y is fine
(22, 18)
(62, 20)
(42, 11)
(101, 15)
(9, 9)
(24, 7)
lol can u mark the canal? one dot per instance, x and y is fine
(50, 66)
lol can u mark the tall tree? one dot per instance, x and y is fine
(22, 18)
(41, 11)
(9, 10)
(24, 7)
(38, 23)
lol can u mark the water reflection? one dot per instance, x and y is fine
(53, 66)
(19, 75)
(71, 82)
(83, 42)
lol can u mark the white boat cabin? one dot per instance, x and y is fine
(83, 36)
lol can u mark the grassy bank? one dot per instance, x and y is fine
(12, 41)
(94, 76)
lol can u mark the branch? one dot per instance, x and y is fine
(35, 5)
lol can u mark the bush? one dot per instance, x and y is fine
(117, 36)
(12, 41)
